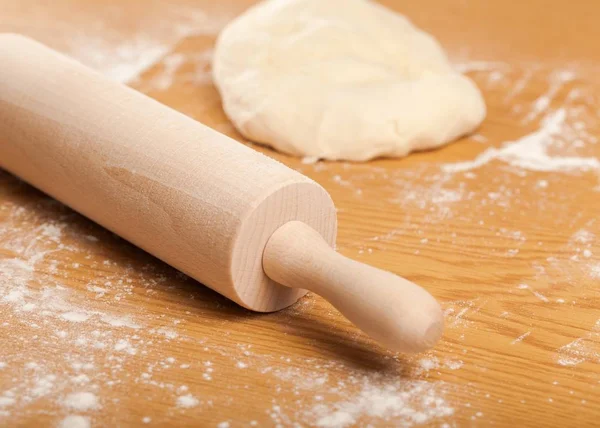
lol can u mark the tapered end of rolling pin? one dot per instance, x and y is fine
(395, 312)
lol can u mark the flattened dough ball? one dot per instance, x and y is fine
(340, 79)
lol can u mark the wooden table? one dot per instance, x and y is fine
(92, 326)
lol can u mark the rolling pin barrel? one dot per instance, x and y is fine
(239, 222)
(185, 193)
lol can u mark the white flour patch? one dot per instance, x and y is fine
(167, 332)
(429, 363)
(187, 401)
(302, 381)
(595, 271)
(584, 349)
(453, 364)
(6, 401)
(124, 346)
(531, 152)
(417, 403)
(43, 385)
(51, 231)
(520, 338)
(583, 236)
(81, 401)
(456, 312)
(433, 198)
(572, 354)
(75, 316)
(75, 421)
(116, 321)
(556, 82)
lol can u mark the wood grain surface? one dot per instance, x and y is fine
(91, 326)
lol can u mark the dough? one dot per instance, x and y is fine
(340, 79)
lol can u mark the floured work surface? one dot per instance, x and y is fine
(501, 227)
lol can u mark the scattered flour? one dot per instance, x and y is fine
(584, 349)
(125, 346)
(453, 364)
(126, 59)
(556, 82)
(81, 401)
(595, 271)
(116, 321)
(419, 403)
(75, 421)
(75, 316)
(31, 298)
(52, 231)
(429, 363)
(583, 236)
(181, 68)
(531, 152)
(46, 314)
(168, 333)
(520, 338)
(187, 401)
(6, 401)
(103, 347)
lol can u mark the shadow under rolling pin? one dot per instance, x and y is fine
(238, 221)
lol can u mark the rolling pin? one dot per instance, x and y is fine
(232, 218)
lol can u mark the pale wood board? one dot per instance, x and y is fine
(511, 355)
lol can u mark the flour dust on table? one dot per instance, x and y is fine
(49, 301)
(340, 79)
(141, 351)
(99, 35)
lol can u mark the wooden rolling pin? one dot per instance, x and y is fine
(239, 222)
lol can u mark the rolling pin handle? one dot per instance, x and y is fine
(394, 311)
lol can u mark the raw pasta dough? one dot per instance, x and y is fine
(340, 79)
